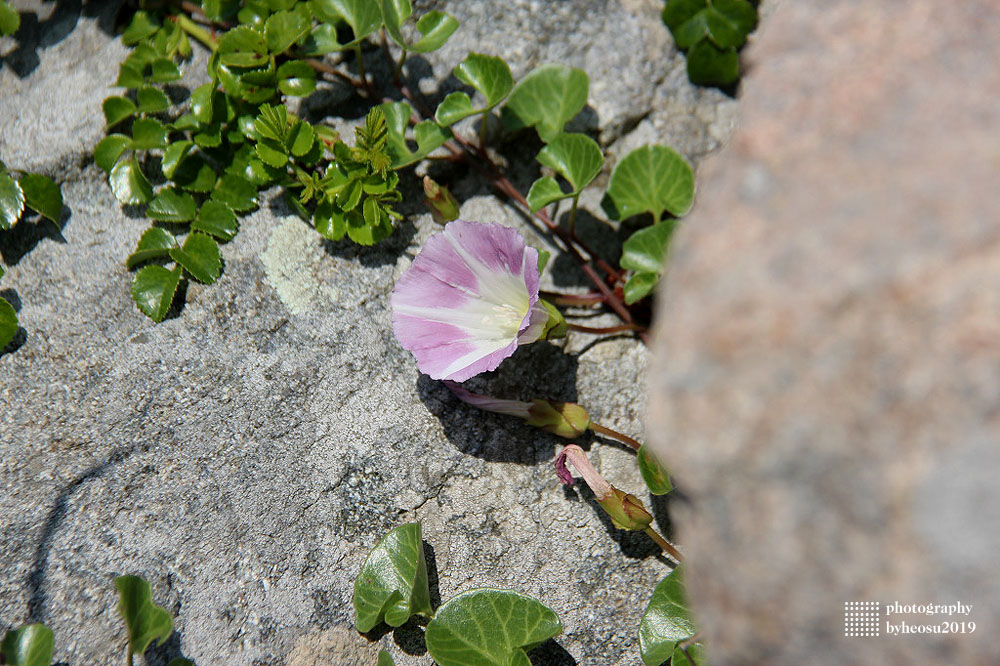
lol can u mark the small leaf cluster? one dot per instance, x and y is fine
(666, 628)
(33, 644)
(481, 626)
(711, 32)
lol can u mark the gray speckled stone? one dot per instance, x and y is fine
(826, 377)
(245, 455)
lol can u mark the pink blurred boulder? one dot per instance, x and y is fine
(826, 386)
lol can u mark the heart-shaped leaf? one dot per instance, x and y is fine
(489, 75)
(217, 219)
(429, 135)
(645, 250)
(666, 620)
(169, 205)
(8, 329)
(148, 133)
(296, 78)
(434, 27)
(32, 644)
(453, 108)
(145, 620)
(544, 191)
(151, 100)
(692, 655)
(11, 202)
(726, 22)
(117, 109)
(109, 149)
(284, 28)
(129, 183)
(236, 192)
(200, 257)
(653, 473)
(650, 179)
(155, 243)
(153, 290)
(546, 99)
(576, 157)
(640, 285)
(708, 65)
(392, 583)
(489, 628)
(243, 47)
(42, 195)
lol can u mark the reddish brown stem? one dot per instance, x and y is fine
(614, 434)
(557, 298)
(606, 329)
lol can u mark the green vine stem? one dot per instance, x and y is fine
(197, 32)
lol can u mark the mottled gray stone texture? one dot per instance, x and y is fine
(245, 454)
(826, 376)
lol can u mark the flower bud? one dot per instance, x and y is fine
(566, 419)
(626, 511)
(443, 206)
(555, 327)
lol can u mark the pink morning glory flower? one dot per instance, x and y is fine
(468, 300)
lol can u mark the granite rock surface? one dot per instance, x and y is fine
(826, 377)
(245, 454)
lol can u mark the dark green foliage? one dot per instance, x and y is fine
(711, 32)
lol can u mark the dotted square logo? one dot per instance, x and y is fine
(862, 618)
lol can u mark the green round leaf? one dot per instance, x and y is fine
(640, 285)
(392, 583)
(726, 22)
(546, 99)
(200, 257)
(236, 192)
(129, 183)
(142, 26)
(195, 175)
(148, 133)
(32, 644)
(42, 195)
(201, 103)
(243, 47)
(164, 71)
(676, 12)
(216, 219)
(650, 179)
(145, 620)
(544, 191)
(489, 75)
(11, 202)
(169, 205)
(385, 659)
(10, 19)
(666, 620)
(109, 149)
(708, 65)
(151, 100)
(128, 76)
(284, 28)
(453, 108)
(153, 291)
(271, 153)
(173, 156)
(301, 138)
(364, 16)
(435, 28)
(653, 473)
(155, 243)
(696, 652)
(8, 329)
(576, 157)
(296, 78)
(646, 249)
(489, 628)
(117, 109)
(329, 220)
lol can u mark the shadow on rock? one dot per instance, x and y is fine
(632, 543)
(497, 437)
(29, 232)
(551, 653)
(35, 35)
(161, 655)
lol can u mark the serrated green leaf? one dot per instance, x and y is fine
(139, 28)
(201, 103)
(195, 175)
(489, 75)
(219, 10)
(708, 65)
(209, 137)
(129, 76)
(666, 620)
(169, 205)
(575, 157)
(153, 290)
(154, 244)
(152, 100)
(296, 78)
(243, 47)
(117, 109)
(216, 219)
(173, 156)
(489, 628)
(200, 257)
(453, 108)
(646, 249)
(164, 71)
(284, 28)
(650, 179)
(32, 644)
(392, 583)
(546, 99)
(271, 153)
(363, 233)
(639, 285)
(8, 329)
(144, 620)
(653, 473)
(10, 19)
(109, 149)
(385, 659)
(350, 196)
(148, 133)
(696, 652)
(544, 191)
(129, 183)
(301, 138)
(236, 192)
(329, 220)
(11, 202)
(42, 195)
